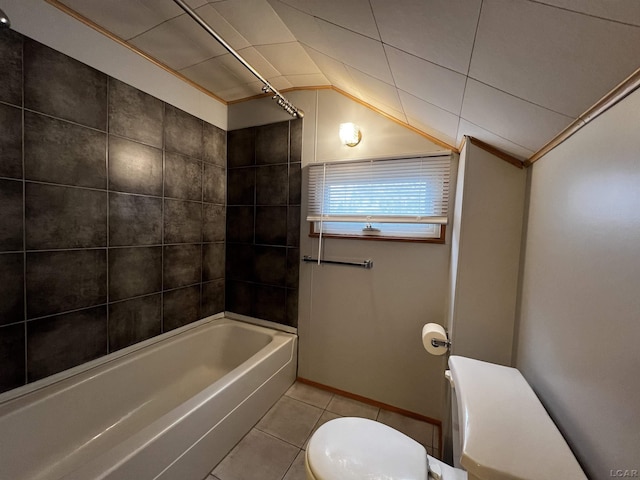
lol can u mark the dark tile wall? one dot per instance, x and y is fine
(112, 214)
(263, 221)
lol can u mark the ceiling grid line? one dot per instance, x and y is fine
(497, 134)
(128, 40)
(466, 80)
(521, 98)
(585, 14)
(386, 57)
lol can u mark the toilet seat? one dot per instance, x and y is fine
(357, 448)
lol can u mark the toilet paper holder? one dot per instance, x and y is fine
(440, 343)
(435, 339)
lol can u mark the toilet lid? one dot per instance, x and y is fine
(356, 448)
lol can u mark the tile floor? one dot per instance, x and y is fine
(274, 448)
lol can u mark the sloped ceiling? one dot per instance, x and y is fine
(512, 73)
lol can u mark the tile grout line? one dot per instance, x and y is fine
(274, 436)
(164, 120)
(107, 194)
(431, 449)
(286, 223)
(291, 464)
(24, 222)
(202, 221)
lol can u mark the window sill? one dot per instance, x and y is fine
(381, 238)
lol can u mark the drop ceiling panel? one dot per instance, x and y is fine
(504, 115)
(288, 58)
(373, 88)
(334, 70)
(240, 91)
(128, 18)
(212, 75)
(472, 130)
(312, 80)
(557, 59)
(303, 26)
(434, 120)
(354, 92)
(525, 68)
(440, 31)
(625, 11)
(302, 5)
(221, 26)
(278, 82)
(428, 81)
(255, 20)
(392, 112)
(255, 59)
(355, 15)
(358, 51)
(178, 44)
(251, 89)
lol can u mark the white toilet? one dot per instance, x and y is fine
(505, 433)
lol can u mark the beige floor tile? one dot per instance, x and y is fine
(420, 431)
(311, 395)
(347, 407)
(270, 451)
(290, 420)
(297, 470)
(258, 456)
(324, 418)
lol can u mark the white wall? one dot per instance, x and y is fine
(487, 233)
(360, 329)
(381, 138)
(48, 25)
(579, 332)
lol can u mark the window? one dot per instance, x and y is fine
(400, 199)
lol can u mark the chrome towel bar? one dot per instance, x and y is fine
(364, 264)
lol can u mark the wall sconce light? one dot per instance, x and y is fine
(4, 20)
(350, 134)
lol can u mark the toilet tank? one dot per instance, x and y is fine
(504, 431)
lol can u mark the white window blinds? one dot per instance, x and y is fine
(403, 191)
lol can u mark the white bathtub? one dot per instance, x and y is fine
(171, 409)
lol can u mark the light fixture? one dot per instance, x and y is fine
(350, 134)
(4, 20)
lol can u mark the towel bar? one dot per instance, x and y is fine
(364, 264)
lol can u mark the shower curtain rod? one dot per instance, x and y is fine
(268, 88)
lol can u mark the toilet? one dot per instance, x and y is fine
(501, 431)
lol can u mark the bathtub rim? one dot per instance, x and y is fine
(29, 388)
(261, 323)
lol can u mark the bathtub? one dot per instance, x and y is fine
(171, 408)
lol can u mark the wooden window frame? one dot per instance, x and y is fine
(381, 238)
